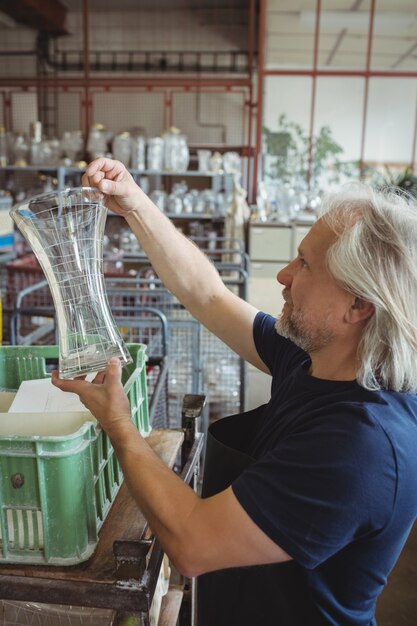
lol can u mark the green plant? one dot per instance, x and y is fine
(382, 176)
(288, 147)
(403, 179)
(287, 151)
(325, 150)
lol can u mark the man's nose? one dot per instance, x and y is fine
(284, 276)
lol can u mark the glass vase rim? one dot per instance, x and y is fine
(37, 197)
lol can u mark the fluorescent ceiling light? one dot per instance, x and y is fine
(358, 21)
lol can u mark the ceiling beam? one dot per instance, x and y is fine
(46, 16)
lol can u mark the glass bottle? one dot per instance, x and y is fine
(176, 152)
(3, 148)
(155, 154)
(138, 145)
(20, 150)
(121, 148)
(96, 142)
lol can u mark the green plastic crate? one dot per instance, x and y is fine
(56, 489)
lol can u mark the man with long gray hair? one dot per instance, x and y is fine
(308, 500)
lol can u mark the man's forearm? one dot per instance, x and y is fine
(166, 502)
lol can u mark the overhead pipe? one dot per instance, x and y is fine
(147, 61)
(366, 89)
(414, 146)
(250, 107)
(313, 94)
(86, 48)
(260, 90)
(147, 82)
(343, 73)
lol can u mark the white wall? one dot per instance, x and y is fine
(391, 119)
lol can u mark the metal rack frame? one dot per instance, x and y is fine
(197, 359)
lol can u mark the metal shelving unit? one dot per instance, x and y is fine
(62, 172)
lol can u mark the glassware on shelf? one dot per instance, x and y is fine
(144, 184)
(174, 204)
(65, 230)
(138, 150)
(212, 240)
(72, 145)
(4, 151)
(231, 162)
(35, 131)
(97, 142)
(220, 204)
(36, 153)
(20, 150)
(121, 148)
(176, 152)
(262, 203)
(209, 201)
(199, 205)
(286, 201)
(216, 162)
(47, 184)
(50, 151)
(36, 147)
(182, 160)
(196, 230)
(170, 148)
(155, 154)
(159, 197)
(204, 160)
(128, 242)
(188, 203)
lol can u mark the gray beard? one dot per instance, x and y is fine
(310, 340)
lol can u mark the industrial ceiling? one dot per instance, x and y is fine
(343, 41)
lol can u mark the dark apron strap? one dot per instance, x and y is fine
(225, 461)
(264, 595)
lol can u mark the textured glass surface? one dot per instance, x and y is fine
(65, 230)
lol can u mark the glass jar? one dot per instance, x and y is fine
(176, 152)
(72, 145)
(20, 150)
(155, 154)
(231, 162)
(137, 156)
(216, 162)
(4, 152)
(121, 148)
(159, 197)
(204, 160)
(97, 142)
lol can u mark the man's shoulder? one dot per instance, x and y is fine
(396, 415)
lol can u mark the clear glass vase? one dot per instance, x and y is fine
(65, 230)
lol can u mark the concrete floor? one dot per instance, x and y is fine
(397, 605)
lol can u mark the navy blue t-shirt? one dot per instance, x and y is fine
(335, 480)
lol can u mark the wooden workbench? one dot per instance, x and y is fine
(119, 575)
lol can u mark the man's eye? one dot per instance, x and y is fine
(303, 263)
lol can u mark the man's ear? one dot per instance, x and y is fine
(360, 310)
